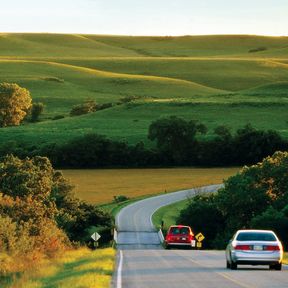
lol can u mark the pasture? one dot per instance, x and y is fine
(219, 80)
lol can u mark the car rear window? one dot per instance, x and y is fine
(181, 230)
(255, 236)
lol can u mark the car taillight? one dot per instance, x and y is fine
(243, 247)
(191, 237)
(168, 238)
(272, 248)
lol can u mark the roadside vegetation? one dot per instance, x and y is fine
(169, 215)
(40, 218)
(256, 197)
(81, 268)
(285, 258)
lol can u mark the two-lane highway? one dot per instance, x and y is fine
(135, 228)
(142, 263)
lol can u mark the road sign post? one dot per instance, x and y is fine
(95, 236)
(199, 237)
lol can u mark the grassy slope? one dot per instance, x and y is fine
(171, 74)
(168, 214)
(230, 74)
(77, 268)
(82, 83)
(131, 122)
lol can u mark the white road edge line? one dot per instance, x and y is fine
(119, 270)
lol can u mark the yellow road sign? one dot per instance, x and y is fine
(200, 237)
(199, 245)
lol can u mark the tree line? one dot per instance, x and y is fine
(177, 142)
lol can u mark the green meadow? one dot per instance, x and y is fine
(219, 80)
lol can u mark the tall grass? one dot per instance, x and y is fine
(285, 259)
(76, 268)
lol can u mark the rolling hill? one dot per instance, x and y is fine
(230, 80)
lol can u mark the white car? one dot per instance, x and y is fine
(254, 247)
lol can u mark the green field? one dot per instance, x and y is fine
(215, 79)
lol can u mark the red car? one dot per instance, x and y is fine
(180, 235)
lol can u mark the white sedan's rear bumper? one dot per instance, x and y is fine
(256, 257)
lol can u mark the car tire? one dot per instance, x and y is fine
(228, 265)
(278, 266)
(167, 246)
(233, 266)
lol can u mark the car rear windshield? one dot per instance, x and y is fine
(255, 236)
(179, 230)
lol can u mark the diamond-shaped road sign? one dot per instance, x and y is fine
(200, 237)
(95, 236)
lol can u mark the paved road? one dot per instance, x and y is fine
(142, 263)
(192, 268)
(134, 221)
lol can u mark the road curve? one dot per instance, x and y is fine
(134, 225)
(142, 263)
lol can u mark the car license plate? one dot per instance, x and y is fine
(183, 238)
(258, 247)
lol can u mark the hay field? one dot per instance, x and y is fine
(99, 186)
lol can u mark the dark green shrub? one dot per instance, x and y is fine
(36, 110)
(57, 117)
(120, 198)
(258, 49)
(84, 108)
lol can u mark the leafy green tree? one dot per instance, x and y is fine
(275, 220)
(251, 145)
(15, 102)
(36, 111)
(41, 201)
(28, 177)
(26, 187)
(253, 190)
(203, 215)
(176, 137)
(218, 151)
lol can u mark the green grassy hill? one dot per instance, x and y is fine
(229, 80)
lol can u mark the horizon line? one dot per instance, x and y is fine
(141, 35)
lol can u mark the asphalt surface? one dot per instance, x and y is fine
(143, 263)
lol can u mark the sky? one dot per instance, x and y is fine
(146, 17)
